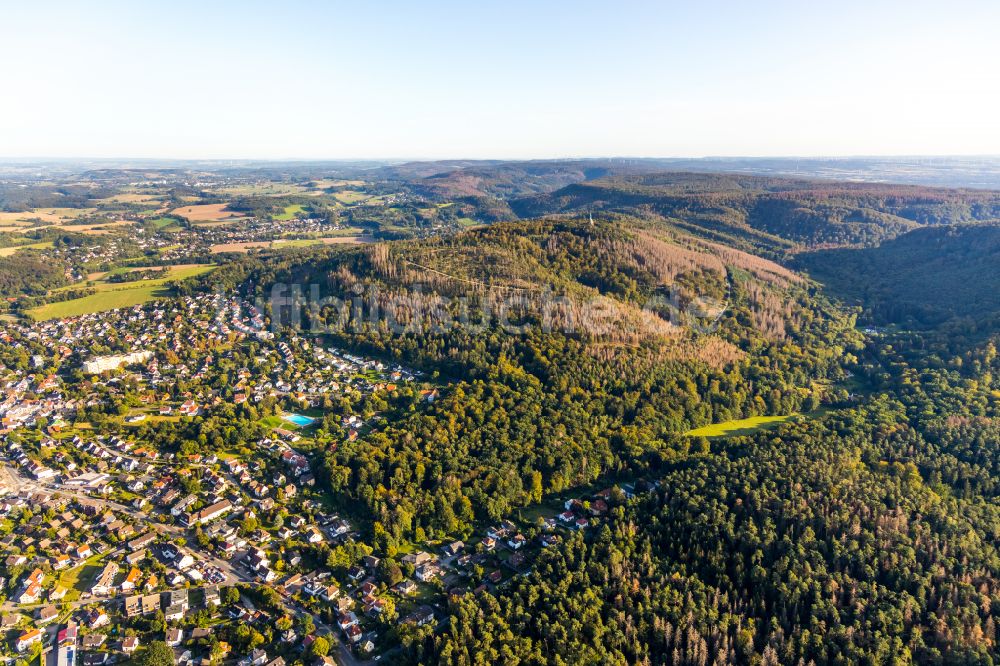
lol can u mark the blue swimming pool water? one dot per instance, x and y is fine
(298, 419)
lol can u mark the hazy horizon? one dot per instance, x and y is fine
(10, 159)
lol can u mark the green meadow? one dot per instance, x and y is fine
(111, 295)
(740, 426)
(290, 212)
(7, 251)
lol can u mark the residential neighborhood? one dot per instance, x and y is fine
(118, 536)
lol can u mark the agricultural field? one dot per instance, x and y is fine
(131, 198)
(333, 182)
(99, 228)
(289, 243)
(351, 196)
(7, 251)
(176, 272)
(262, 189)
(112, 295)
(100, 302)
(207, 213)
(219, 248)
(47, 215)
(349, 240)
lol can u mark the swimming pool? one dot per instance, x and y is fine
(298, 419)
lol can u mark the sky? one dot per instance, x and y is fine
(383, 79)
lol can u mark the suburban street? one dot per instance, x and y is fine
(233, 574)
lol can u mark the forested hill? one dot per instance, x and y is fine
(772, 213)
(863, 530)
(598, 378)
(920, 279)
(509, 180)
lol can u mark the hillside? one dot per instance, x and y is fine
(922, 278)
(571, 351)
(660, 391)
(508, 180)
(484, 188)
(861, 505)
(773, 213)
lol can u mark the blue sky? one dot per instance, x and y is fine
(386, 79)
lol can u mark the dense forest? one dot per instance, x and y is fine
(18, 197)
(809, 547)
(865, 536)
(920, 279)
(29, 273)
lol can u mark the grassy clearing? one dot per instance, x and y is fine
(7, 251)
(350, 196)
(177, 272)
(290, 213)
(740, 426)
(111, 296)
(81, 578)
(162, 222)
(100, 302)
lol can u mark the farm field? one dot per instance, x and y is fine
(67, 225)
(351, 196)
(101, 228)
(111, 296)
(49, 215)
(131, 198)
(7, 251)
(99, 302)
(298, 242)
(334, 182)
(239, 247)
(262, 189)
(350, 240)
(176, 272)
(740, 426)
(207, 213)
